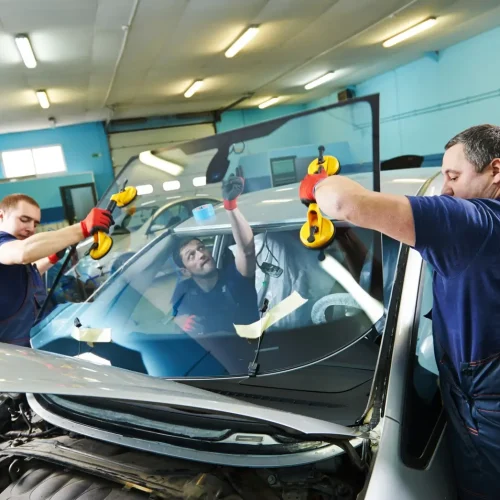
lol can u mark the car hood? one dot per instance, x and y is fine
(25, 370)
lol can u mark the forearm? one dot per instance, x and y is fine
(41, 245)
(43, 265)
(343, 199)
(243, 236)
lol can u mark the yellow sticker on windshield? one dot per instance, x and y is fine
(284, 308)
(91, 335)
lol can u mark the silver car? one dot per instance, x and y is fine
(345, 404)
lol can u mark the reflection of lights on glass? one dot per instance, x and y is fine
(286, 200)
(90, 379)
(105, 389)
(144, 189)
(284, 189)
(200, 181)
(171, 185)
(88, 369)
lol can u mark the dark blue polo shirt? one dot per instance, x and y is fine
(233, 300)
(461, 241)
(13, 284)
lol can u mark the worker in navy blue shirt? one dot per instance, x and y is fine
(458, 233)
(25, 256)
(213, 300)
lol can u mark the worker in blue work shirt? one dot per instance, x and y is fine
(458, 233)
(211, 299)
(25, 256)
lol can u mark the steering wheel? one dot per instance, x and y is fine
(341, 304)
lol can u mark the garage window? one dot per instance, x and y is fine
(32, 162)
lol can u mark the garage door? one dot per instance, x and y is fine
(124, 145)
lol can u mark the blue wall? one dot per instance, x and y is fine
(426, 102)
(79, 144)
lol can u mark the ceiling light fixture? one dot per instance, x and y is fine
(24, 46)
(149, 159)
(243, 40)
(415, 30)
(43, 99)
(193, 89)
(269, 102)
(319, 81)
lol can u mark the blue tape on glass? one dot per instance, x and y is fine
(204, 213)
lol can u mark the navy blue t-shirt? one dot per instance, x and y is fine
(461, 241)
(232, 301)
(13, 284)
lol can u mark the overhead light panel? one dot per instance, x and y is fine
(269, 102)
(243, 40)
(148, 158)
(193, 89)
(24, 46)
(319, 81)
(415, 30)
(43, 99)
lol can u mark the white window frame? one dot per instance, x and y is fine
(35, 174)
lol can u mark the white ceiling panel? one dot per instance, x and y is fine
(103, 59)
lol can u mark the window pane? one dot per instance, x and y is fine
(18, 163)
(49, 160)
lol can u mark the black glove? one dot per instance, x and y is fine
(231, 189)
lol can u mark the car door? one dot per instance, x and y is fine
(412, 456)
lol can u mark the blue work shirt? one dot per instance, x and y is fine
(13, 284)
(233, 300)
(460, 239)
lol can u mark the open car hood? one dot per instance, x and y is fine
(24, 370)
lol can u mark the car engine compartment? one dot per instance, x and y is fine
(38, 460)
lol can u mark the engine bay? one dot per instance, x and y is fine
(38, 460)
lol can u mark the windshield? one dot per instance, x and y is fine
(235, 293)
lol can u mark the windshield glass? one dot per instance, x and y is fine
(190, 289)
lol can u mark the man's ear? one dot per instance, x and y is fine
(185, 272)
(495, 168)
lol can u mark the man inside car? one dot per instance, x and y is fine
(212, 300)
(458, 234)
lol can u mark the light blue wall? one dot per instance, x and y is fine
(425, 103)
(85, 149)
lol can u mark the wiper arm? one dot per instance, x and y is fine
(254, 366)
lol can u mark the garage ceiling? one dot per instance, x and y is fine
(114, 59)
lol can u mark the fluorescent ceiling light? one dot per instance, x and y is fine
(171, 185)
(43, 99)
(242, 41)
(425, 25)
(193, 89)
(269, 102)
(200, 181)
(319, 81)
(148, 158)
(24, 46)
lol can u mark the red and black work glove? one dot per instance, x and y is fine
(56, 257)
(307, 186)
(231, 189)
(97, 220)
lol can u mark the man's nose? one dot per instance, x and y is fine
(447, 190)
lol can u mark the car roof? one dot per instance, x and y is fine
(281, 205)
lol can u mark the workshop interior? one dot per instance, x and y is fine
(149, 109)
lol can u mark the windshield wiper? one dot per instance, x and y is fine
(254, 366)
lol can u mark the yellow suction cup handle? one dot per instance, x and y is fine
(330, 164)
(317, 232)
(101, 246)
(125, 197)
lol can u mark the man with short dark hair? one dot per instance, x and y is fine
(24, 256)
(458, 233)
(210, 299)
